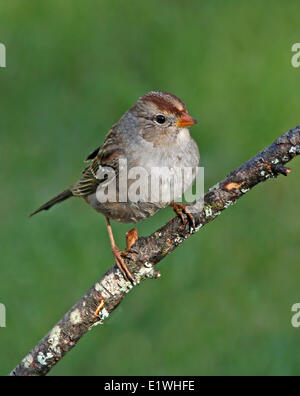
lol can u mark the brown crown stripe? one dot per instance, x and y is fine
(166, 102)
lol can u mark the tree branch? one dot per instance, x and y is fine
(109, 291)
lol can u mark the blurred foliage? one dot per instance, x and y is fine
(223, 304)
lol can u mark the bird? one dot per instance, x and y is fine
(152, 134)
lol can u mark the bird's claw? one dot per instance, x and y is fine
(180, 210)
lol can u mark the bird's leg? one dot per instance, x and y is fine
(117, 254)
(179, 209)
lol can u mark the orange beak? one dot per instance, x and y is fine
(186, 121)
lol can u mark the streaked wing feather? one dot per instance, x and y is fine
(105, 156)
(88, 183)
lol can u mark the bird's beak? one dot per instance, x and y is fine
(186, 121)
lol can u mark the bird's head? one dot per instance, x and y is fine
(160, 114)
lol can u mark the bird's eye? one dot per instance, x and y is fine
(160, 119)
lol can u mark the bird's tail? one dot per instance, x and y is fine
(59, 198)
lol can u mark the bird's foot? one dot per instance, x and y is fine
(121, 264)
(180, 210)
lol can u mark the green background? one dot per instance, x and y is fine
(223, 304)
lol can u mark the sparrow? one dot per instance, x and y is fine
(152, 134)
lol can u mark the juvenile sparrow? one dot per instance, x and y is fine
(152, 134)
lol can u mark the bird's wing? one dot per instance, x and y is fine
(104, 166)
(89, 180)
